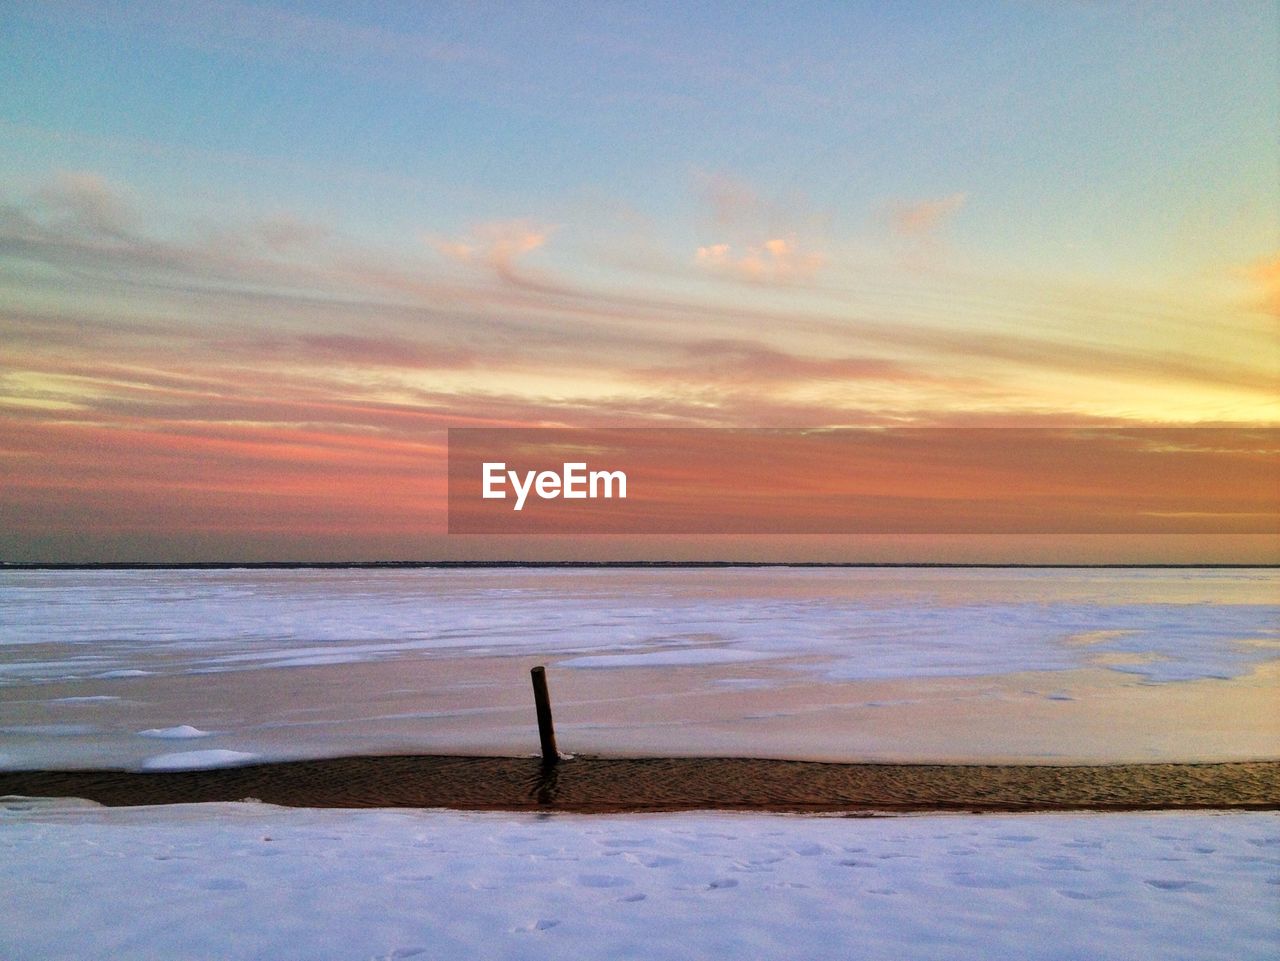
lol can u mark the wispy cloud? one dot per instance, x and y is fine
(498, 245)
(778, 260)
(1264, 275)
(290, 306)
(733, 202)
(286, 232)
(757, 238)
(922, 219)
(88, 200)
(753, 363)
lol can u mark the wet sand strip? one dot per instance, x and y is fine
(600, 785)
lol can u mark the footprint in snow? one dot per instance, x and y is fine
(1178, 885)
(224, 884)
(973, 881)
(1059, 863)
(722, 883)
(602, 881)
(632, 898)
(542, 924)
(661, 861)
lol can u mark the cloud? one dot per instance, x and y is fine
(922, 219)
(750, 364)
(161, 301)
(354, 350)
(735, 206)
(1265, 276)
(757, 238)
(282, 233)
(85, 199)
(778, 260)
(498, 245)
(731, 201)
(755, 362)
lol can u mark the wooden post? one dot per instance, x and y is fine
(542, 701)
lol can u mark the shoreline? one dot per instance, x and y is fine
(598, 785)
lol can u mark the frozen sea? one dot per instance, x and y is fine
(180, 668)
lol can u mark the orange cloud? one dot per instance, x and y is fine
(923, 218)
(778, 260)
(1265, 274)
(497, 245)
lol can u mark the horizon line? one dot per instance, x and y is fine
(480, 564)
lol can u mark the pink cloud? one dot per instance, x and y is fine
(87, 199)
(497, 245)
(778, 260)
(732, 201)
(923, 218)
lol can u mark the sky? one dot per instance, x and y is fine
(255, 259)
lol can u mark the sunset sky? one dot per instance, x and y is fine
(255, 259)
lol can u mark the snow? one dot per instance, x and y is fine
(246, 880)
(197, 760)
(181, 732)
(127, 672)
(673, 658)
(841, 664)
(854, 624)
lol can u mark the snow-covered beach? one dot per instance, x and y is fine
(164, 671)
(249, 881)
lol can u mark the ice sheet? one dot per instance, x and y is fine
(197, 760)
(1014, 663)
(1173, 625)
